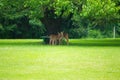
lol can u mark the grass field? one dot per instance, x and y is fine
(30, 59)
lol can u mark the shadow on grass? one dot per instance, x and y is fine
(102, 42)
(72, 43)
(22, 43)
(94, 44)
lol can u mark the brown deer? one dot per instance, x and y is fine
(55, 37)
(65, 35)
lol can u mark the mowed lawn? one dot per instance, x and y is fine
(30, 59)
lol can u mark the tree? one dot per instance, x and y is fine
(43, 17)
(100, 14)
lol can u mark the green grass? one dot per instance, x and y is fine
(81, 60)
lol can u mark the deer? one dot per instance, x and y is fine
(65, 35)
(55, 37)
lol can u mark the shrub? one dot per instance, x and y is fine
(77, 33)
(94, 34)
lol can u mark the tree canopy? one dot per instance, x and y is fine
(80, 18)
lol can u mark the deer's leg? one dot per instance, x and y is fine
(50, 41)
(67, 39)
(55, 42)
(60, 41)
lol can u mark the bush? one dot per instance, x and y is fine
(46, 39)
(94, 34)
(77, 33)
(1, 31)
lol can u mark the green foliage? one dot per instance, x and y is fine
(62, 5)
(37, 27)
(35, 8)
(35, 22)
(94, 34)
(1, 27)
(33, 18)
(1, 31)
(77, 33)
(99, 9)
(46, 40)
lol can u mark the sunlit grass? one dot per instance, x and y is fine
(33, 60)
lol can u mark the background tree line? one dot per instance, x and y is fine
(80, 18)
